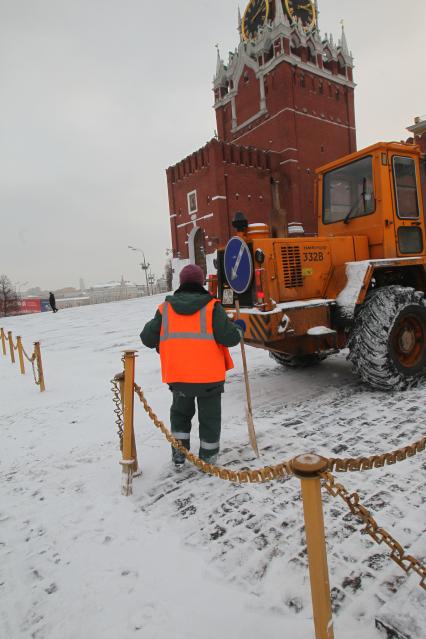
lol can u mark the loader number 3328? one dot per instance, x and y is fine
(313, 257)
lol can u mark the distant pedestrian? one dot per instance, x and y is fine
(192, 331)
(52, 303)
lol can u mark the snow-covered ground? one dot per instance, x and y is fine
(190, 556)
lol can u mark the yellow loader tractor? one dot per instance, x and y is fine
(358, 284)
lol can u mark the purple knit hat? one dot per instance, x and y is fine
(192, 274)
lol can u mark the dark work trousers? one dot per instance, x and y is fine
(209, 417)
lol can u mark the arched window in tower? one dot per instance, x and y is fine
(341, 66)
(269, 54)
(312, 56)
(199, 250)
(327, 59)
(295, 46)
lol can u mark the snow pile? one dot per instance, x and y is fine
(347, 298)
(316, 331)
(190, 556)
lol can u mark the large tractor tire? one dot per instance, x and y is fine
(387, 344)
(297, 361)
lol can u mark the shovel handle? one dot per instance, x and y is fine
(249, 412)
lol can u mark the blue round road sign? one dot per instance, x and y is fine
(238, 265)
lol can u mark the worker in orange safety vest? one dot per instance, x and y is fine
(192, 333)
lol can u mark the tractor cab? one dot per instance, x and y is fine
(375, 193)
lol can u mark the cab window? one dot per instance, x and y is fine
(407, 201)
(349, 192)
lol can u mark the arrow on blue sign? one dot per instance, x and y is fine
(238, 265)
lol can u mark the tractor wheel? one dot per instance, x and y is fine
(387, 344)
(297, 361)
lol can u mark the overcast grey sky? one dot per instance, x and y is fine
(98, 97)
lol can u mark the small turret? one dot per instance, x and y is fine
(240, 24)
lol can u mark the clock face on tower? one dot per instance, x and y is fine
(303, 10)
(255, 16)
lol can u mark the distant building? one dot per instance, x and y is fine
(67, 291)
(419, 131)
(114, 291)
(72, 302)
(70, 297)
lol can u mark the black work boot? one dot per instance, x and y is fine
(209, 456)
(178, 458)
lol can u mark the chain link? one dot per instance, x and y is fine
(36, 373)
(380, 535)
(352, 464)
(30, 359)
(118, 410)
(259, 475)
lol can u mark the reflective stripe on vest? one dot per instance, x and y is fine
(202, 335)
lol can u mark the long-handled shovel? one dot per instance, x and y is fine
(249, 414)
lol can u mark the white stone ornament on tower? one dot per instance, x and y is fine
(219, 62)
(219, 79)
(240, 23)
(343, 42)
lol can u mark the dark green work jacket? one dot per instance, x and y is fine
(187, 300)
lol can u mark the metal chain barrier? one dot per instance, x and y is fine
(32, 361)
(380, 535)
(36, 373)
(259, 475)
(352, 464)
(118, 408)
(35, 359)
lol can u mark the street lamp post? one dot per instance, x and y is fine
(151, 279)
(144, 266)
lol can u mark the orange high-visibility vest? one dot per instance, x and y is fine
(189, 352)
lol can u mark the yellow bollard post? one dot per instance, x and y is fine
(134, 455)
(128, 461)
(3, 341)
(11, 347)
(21, 355)
(37, 352)
(308, 468)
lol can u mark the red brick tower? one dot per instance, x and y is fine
(284, 106)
